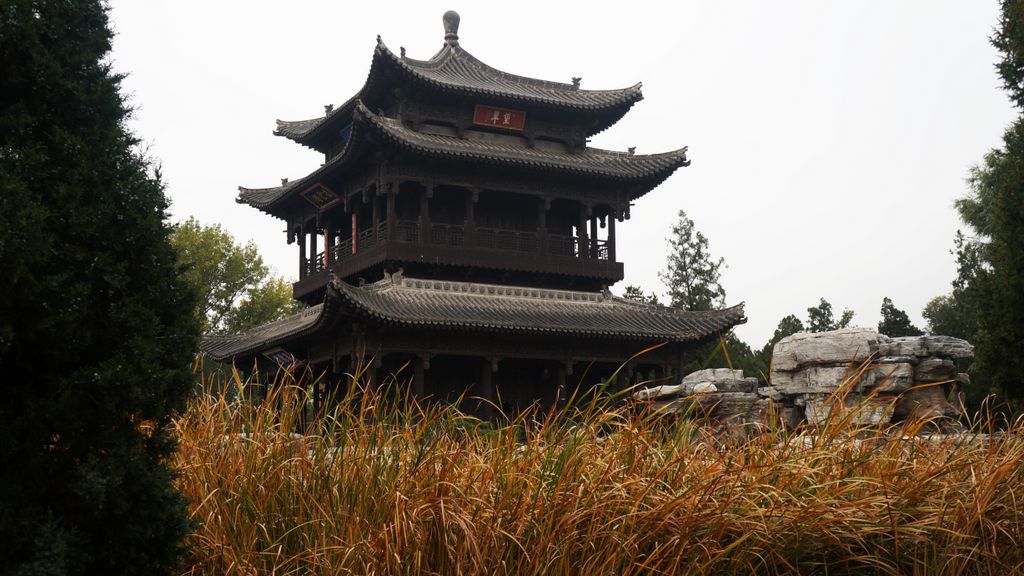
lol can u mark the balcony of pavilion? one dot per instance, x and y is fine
(411, 223)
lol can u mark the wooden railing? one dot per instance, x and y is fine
(499, 239)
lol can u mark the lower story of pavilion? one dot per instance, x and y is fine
(494, 350)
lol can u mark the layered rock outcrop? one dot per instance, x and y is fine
(869, 377)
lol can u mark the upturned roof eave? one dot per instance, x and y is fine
(670, 161)
(608, 113)
(342, 299)
(648, 171)
(710, 323)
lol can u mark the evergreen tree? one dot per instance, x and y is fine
(987, 302)
(96, 331)
(692, 276)
(788, 326)
(895, 322)
(820, 318)
(636, 293)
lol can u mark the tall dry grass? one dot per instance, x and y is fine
(379, 487)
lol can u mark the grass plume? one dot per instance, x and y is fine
(386, 487)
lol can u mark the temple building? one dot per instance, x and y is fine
(462, 227)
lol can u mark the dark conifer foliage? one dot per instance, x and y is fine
(96, 330)
(987, 302)
(895, 322)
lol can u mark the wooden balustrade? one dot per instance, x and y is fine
(408, 231)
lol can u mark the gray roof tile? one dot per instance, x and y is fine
(651, 169)
(455, 70)
(437, 304)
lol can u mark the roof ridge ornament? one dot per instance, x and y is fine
(451, 27)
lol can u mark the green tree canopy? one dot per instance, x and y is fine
(895, 322)
(820, 318)
(97, 333)
(636, 293)
(985, 305)
(236, 288)
(692, 276)
(788, 326)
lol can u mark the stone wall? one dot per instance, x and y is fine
(872, 377)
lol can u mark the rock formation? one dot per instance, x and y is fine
(856, 372)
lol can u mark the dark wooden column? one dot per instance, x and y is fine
(329, 240)
(419, 378)
(354, 232)
(581, 229)
(428, 191)
(487, 369)
(302, 250)
(312, 245)
(391, 216)
(472, 197)
(561, 377)
(593, 237)
(611, 237)
(371, 376)
(376, 215)
(542, 223)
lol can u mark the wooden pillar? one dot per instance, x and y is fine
(487, 369)
(428, 191)
(391, 216)
(376, 216)
(419, 378)
(302, 250)
(312, 246)
(371, 376)
(593, 237)
(583, 242)
(611, 237)
(328, 241)
(560, 394)
(472, 197)
(564, 368)
(542, 223)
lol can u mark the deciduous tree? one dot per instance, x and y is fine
(236, 288)
(820, 318)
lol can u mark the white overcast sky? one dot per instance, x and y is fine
(829, 139)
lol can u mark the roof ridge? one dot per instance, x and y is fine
(505, 291)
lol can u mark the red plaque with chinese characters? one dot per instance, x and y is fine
(321, 196)
(499, 117)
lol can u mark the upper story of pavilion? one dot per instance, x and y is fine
(450, 168)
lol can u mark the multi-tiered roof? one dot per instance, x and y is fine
(457, 200)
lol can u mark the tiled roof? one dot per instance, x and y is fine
(492, 308)
(264, 337)
(264, 198)
(296, 129)
(651, 169)
(456, 71)
(589, 161)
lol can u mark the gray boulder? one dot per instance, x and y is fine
(836, 348)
